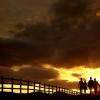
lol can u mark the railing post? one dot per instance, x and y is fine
(28, 86)
(39, 87)
(49, 88)
(59, 89)
(2, 82)
(64, 90)
(44, 88)
(71, 92)
(12, 82)
(20, 86)
(52, 89)
(34, 85)
(74, 92)
(56, 89)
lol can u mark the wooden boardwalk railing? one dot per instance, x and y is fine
(26, 86)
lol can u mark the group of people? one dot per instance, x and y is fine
(92, 85)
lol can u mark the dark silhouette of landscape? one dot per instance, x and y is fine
(42, 96)
(38, 95)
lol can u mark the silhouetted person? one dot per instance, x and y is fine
(81, 85)
(96, 84)
(84, 86)
(90, 85)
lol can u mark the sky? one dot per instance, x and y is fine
(53, 41)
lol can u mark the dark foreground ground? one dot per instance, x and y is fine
(39, 96)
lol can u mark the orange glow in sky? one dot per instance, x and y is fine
(67, 74)
(82, 71)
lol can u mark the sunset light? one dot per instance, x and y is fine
(49, 46)
(83, 72)
(75, 73)
(68, 75)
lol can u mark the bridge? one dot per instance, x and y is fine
(21, 86)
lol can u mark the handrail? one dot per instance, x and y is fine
(31, 86)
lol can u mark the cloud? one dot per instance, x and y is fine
(73, 36)
(35, 73)
(76, 75)
(38, 73)
(70, 39)
(15, 52)
(22, 11)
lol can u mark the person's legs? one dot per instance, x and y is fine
(84, 91)
(95, 91)
(90, 90)
(80, 90)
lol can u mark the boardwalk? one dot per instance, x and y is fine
(26, 86)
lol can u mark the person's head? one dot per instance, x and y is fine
(90, 78)
(94, 79)
(80, 79)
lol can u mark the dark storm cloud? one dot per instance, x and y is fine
(71, 38)
(14, 52)
(77, 23)
(37, 73)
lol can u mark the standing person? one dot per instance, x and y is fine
(96, 84)
(80, 85)
(90, 85)
(85, 86)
